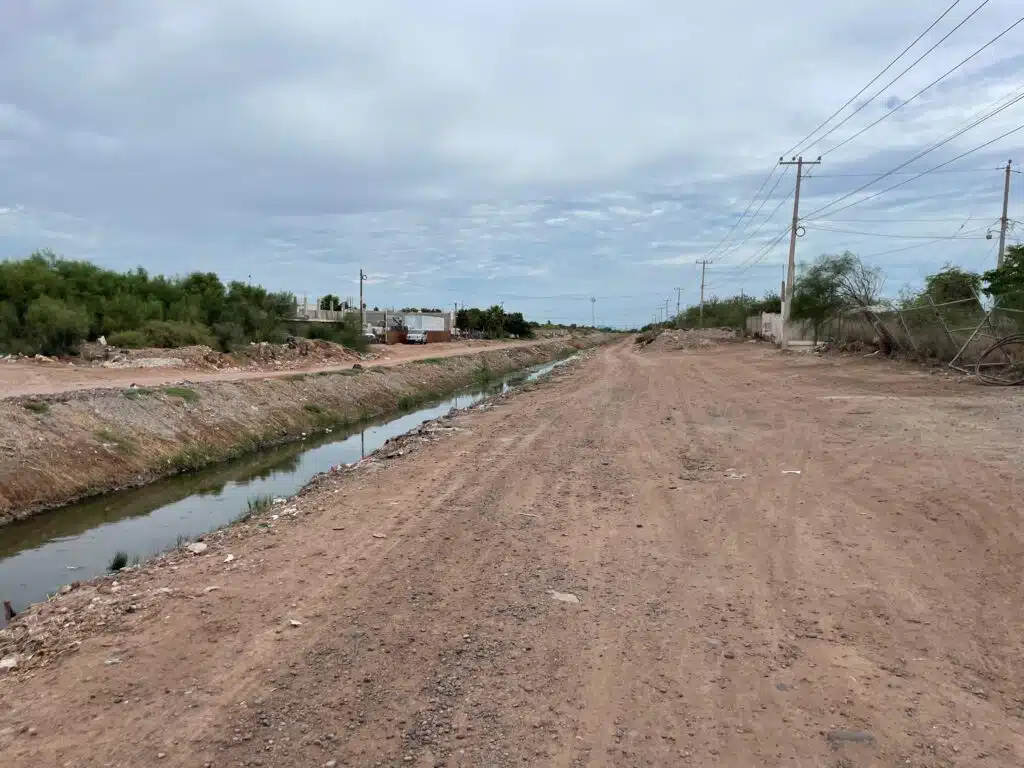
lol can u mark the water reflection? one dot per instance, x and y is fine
(41, 554)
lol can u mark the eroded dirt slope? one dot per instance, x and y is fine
(56, 448)
(864, 612)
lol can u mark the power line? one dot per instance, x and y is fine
(902, 104)
(921, 154)
(732, 249)
(887, 234)
(749, 206)
(873, 80)
(922, 173)
(889, 221)
(903, 173)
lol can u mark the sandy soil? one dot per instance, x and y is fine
(867, 611)
(35, 378)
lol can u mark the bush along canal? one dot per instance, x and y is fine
(41, 554)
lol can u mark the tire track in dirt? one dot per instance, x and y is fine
(748, 616)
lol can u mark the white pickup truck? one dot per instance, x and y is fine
(416, 337)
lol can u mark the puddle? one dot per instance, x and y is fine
(47, 551)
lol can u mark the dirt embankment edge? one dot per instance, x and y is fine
(60, 448)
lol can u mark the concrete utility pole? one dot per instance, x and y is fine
(787, 298)
(679, 293)
(593, 312)
(362, 306)
(1003, 221)
(703, 265)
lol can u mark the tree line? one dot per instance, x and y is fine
(493, 322)
(49, 305)
(834, 284)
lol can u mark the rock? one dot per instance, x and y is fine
(197, 547)
(564, 597)
(102, 341)
(729, 655)
(844, 735)
(330, 764)
(295, 623)
(65, 589)
(229, 558)
(8, 662)
(379, 536)
(357, 367)
(208, 590)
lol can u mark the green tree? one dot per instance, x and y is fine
(56, 327)
(516, 325)
(818, 293)
(1007, 281)
(331, 302)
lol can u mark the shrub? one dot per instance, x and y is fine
(55, 327)
(186, 394)
(36, 406)
(118, 561)
(128, 339)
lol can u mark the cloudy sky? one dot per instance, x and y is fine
(536, 152)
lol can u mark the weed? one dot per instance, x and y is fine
(350, 371)
(136, 559)
(36, 406)
(186, 394)
(408, 402)
(483, 374)
(253, 506)
(183, 539)
(123, 444)
(295, 377)
(430, 361)
(316, 410)
(118, 561)
(136, 392)
(191, 459)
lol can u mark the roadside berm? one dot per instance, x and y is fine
(55, 449)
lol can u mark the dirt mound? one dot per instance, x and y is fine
(295, 353)
(257, 356)
(691, 339)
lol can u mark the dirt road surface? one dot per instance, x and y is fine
(31, 378)
(867, 611)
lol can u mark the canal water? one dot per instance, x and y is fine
(41, 554)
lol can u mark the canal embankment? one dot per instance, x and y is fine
(60, 448)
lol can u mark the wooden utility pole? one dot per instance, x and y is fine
(593, 312)
(679, 293)
(703, 265)
(362, 305)
(787, 299)
(1003, 221)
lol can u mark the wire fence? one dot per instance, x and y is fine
(957, 332)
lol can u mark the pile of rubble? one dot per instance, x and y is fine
(693, 339)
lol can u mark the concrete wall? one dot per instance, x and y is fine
(769, 325)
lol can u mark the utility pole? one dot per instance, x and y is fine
(1003, 221)
(593, 312)
(787, 299)
(703, 265)
(362, 306)
(679, 293)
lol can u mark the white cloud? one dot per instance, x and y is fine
(535, 148)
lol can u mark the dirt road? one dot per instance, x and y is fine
(31, 378)
(867, 611)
